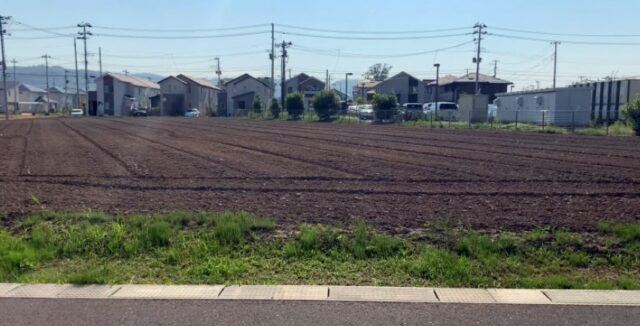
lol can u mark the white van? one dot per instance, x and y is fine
(446, 110)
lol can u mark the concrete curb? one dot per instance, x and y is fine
(321, 293)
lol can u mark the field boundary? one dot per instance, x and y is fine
(323, 293)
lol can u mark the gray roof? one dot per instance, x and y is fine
(60, 90)
(245, 76)
(470, 78)
(31, 88)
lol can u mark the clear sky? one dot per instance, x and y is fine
(524, 62)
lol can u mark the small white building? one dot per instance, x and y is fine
(119, 94)
(560, 106)
(182, 92)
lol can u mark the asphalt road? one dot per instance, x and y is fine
(219, 312)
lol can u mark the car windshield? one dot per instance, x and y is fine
(290, 156)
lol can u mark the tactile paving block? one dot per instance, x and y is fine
(7, 287)
(386, 294)
(88, 291)
(618, 297)
(519, 296)
(249, 292)
(168, 292)
(301, 292)
(464, 295)
(37, 291)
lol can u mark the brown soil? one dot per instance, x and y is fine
(396, 178)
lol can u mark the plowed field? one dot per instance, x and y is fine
(396, 178)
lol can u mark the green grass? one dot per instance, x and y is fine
(239, 248)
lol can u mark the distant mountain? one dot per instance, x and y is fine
(36, 76)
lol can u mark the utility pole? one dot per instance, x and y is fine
(283, 88)
(289, 73)
(84, 35)
(218, 72)
(346, 87)
(272, 57)
(3, 21)
(495, 68)
(479, 31)
(75, 51)
(437, 65)
(46, 58)
(555, 61)
(326, 80)
(15, 85)
(66, 87)
(100, 59)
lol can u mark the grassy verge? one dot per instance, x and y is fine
(238, 248)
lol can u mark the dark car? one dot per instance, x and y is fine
(139, 112)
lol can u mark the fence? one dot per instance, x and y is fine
(526, 120)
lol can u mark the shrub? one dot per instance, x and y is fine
(295, 105)
(257, 104)
(275, 108)
(326, 104)
(384, 106)
(631, 114)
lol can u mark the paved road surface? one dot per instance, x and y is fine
(219, 312)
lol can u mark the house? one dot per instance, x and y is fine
(182, 92)
(567, 106)
(610, 96)
(118, 94)
(365, 89)
(63, 98)
(451, 87)
(306, 85)
(406, 88)
(341, 95)
(12, 96)
(240, 93)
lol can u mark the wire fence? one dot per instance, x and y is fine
(558, 121)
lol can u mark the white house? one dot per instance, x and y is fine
(119, 94)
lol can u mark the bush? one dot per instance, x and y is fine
(384, 106)
(257, 104)
(443, 267)
(631, 114)
(275, 108)
(294, 105)
(326, 104)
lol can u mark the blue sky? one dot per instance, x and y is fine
(524, 62)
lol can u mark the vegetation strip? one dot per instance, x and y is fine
(238, 248)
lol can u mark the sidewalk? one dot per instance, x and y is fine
(323, 293)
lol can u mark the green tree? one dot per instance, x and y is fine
(257, 104)
(631, 114)
(275, 108)
(326, 104)
(361, 100)
(294, 105)
(379, 71)
(384, 106)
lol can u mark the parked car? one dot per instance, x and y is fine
(192, 113)
(365, 112)
(76, 113)
(411, 111)
(446, 110)
(352, 110)
(139, 112)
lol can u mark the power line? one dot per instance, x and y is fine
(363, 55)
(180, 37)
(373, 32)
(562, 41)
(130, 29)
(357, 38)
(562, 34)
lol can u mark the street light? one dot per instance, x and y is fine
(437, 65)
(346, 87)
